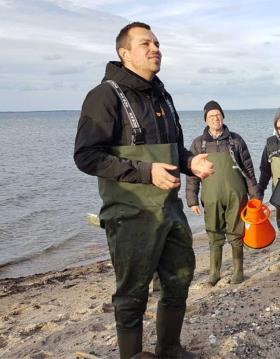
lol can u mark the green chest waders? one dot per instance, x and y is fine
(147, 231)
(275, 169)
(223, 196)
(123, 199)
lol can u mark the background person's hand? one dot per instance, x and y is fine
(196, 209)
(162, 178)
(201, 167)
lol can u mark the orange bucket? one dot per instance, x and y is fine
(259, 232)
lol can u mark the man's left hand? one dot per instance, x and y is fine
(201, 167)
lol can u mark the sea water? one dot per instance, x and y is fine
(44, 198)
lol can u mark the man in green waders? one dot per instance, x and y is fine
(270, 162)
(129, 136)
(224, 194)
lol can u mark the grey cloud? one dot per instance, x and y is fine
(215, 70)
(27, 88)
(64, 85)
(67, 70)
(196, 83)
(58, 85)
(263, 78)
(53, 57)
(241, 54)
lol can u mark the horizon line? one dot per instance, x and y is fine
(239, 109)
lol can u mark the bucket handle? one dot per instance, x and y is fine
(265, 209)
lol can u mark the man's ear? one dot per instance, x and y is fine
(124, 54)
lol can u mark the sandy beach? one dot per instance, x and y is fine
(55, 314)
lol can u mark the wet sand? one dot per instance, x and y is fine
(55, 314)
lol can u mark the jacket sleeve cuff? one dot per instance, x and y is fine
(188, 169)
(145, 172)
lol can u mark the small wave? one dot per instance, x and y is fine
(22, 198)
(45, 251)
(17, 220)
(55, 246)
(17, 261)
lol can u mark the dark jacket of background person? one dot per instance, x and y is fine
(272, 147)
(104, 123)
(221, 144)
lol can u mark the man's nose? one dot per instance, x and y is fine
(154, 47)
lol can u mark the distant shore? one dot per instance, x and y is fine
(199, 110)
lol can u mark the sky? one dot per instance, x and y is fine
(54, 51)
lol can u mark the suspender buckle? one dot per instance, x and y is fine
(137, 136)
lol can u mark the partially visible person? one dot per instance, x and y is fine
(224, 194)
(270, 162)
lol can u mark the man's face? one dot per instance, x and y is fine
(214, 120)
(142, 55)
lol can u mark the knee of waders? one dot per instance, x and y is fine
(174, 303)
(175, 296)
(175, 283)
(216, 240)
(235, 241)
(129, 311)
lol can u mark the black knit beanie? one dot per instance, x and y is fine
(212, 105)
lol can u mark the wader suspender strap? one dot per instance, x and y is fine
(231, 152)
(203, 147)
(272, 144)
(171, 110)
(272, 154)
(137, 135)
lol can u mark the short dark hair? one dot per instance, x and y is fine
(122, 38)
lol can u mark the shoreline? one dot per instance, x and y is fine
(92, 252)
(55, 314)
(101, 258)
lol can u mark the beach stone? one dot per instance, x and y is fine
(108, 307)
(212, 339)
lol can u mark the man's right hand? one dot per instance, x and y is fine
(196, 209)
(201, 167)
(161, 178)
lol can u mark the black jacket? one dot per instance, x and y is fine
(272, 147)
(103, 123)
(221, 144)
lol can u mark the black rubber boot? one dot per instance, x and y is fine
(130, 342)
(144, 355)
(215, 265)
(169, 325)
(237, 258)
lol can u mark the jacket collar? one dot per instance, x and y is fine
(117, 72)
(208, 138)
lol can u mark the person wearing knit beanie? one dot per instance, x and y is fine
(212, 105)
(225, 192)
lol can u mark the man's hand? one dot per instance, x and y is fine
(162, 178)
(201, 167)
(196, 209)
